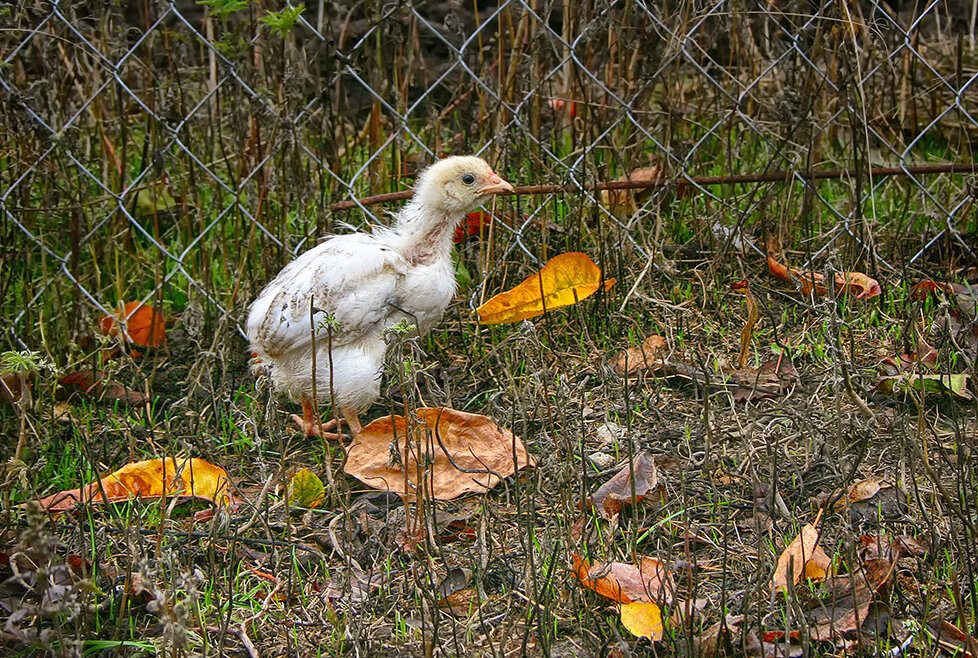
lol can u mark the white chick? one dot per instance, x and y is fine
(336, 300)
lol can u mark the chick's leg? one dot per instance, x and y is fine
(310, 425)
(352, 420)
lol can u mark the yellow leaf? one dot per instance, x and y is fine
(642, 620)
(306, 489)
(153, 478)
(565, 280)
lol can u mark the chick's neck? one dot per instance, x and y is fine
(425, 236)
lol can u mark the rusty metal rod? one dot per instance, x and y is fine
(732, 179)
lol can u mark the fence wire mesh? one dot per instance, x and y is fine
(183, 152)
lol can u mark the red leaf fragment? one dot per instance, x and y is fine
(89, 384)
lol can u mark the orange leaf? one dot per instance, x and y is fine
(627, 583)
(152, 478)
(143, 325)
(565, 280)
(460, 453)
(863, 286)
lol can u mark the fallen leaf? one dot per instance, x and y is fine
(645, 356)
(649, 582)
(11, 388)
(141, 324)
(965, 297)
(150, 479)
(642, 620)
(753, 315)
(616, 493)
(856, 283)
(306, 489)
(460, 453)
(774, 376)
(925, 356)
(953, 639)
(565, 280)
(92, 384)
(956, 385)
(864, 489)
(627, 201)
(796, 557)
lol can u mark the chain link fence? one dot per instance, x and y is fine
(180, 153)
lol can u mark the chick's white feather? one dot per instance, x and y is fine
(337, 299)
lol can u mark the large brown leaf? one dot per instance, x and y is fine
(460, 453)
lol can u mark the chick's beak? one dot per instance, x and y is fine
(496, 185)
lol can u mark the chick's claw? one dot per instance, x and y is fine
(312, 427)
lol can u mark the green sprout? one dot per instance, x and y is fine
(224, 8)
(25, 362)
(282, 22)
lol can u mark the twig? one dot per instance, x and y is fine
(698, 181)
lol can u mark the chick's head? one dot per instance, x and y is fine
(457, 185)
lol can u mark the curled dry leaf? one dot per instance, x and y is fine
(565, 280)
(774, 376)
(864, 489)
(89, 384)
(846, 283)
(143, 325)
(803, 556)
(461, 453)
(12, 387)
(753, 315)
(616, 493)
(953, 639)
(645, 356)
(649, 582)
(149, 479)
(625, 202)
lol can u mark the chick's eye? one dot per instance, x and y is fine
(468, 179)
